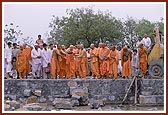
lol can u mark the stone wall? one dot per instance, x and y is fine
(110, 91)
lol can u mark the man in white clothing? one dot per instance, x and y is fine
(36, 61)
(45, 56)
(139, 42)
(51, 47)
(146, 41)
(134, 62)
(119, 56)
(8, 60)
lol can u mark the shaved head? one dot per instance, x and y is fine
(92, 46)
(100, 44)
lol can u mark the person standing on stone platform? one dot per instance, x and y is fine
(8, 60)
(70, 62)
(36, 61)
(22, 64)
(62, 61)
(119, 58)
(14, 52)
(45, 56)
(83, 65)
(126, 62)
(143, 55)
(134, 62)
(94, 61)
(113, 63)
(104, 60)
(77, 60)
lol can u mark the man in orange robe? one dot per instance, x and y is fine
(83, 65)
(94, 61)
(104, 60)
(113, 67)
(27, 52)
(22, 63)
(62, 61)
(143, 54)
(54, 65)
(126, 62)
(70, 62)
(77, 60)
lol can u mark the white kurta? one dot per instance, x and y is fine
(8, 56)
(119, 65)
(45, 54)
(36, 62)
(134, 63)
(146, 42)
(50, 54)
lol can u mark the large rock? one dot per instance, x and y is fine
(75, 103)
(27, 92)
(62, 103)
(96, 104)
(14, 105)
(6, 107)
(80, 94)
(42, 99)
(72, 84)
(37, 93)
(32, 99)
(34, 107)
(81, 91)
(11, 97)
(84, 100)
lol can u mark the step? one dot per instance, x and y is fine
(151, 100)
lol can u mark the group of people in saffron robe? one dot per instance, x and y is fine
(60, 62)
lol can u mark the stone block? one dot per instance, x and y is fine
(151, 99)
(34, 107)
(42, 100)
(11, 97)
(74, 102)
(72, 84)
(146, 93)
(62, 103)
(14, 105)
(37, 92)
(6, 107)
(95, 104)
(111, 98)
(27, 92)
(32, 99)
(80, 91)
(84, 100)
(22, 100)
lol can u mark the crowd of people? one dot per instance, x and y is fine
(49, 61)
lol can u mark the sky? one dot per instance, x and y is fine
(34, 18)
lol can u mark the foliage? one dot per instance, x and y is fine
(86, 26)
(11, 32)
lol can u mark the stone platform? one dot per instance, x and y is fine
(110, 91)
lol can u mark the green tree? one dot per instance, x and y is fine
(129, 33)
(11, 32)
(86, 26)
(145, 26)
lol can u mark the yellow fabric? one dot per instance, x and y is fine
(156, 53)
